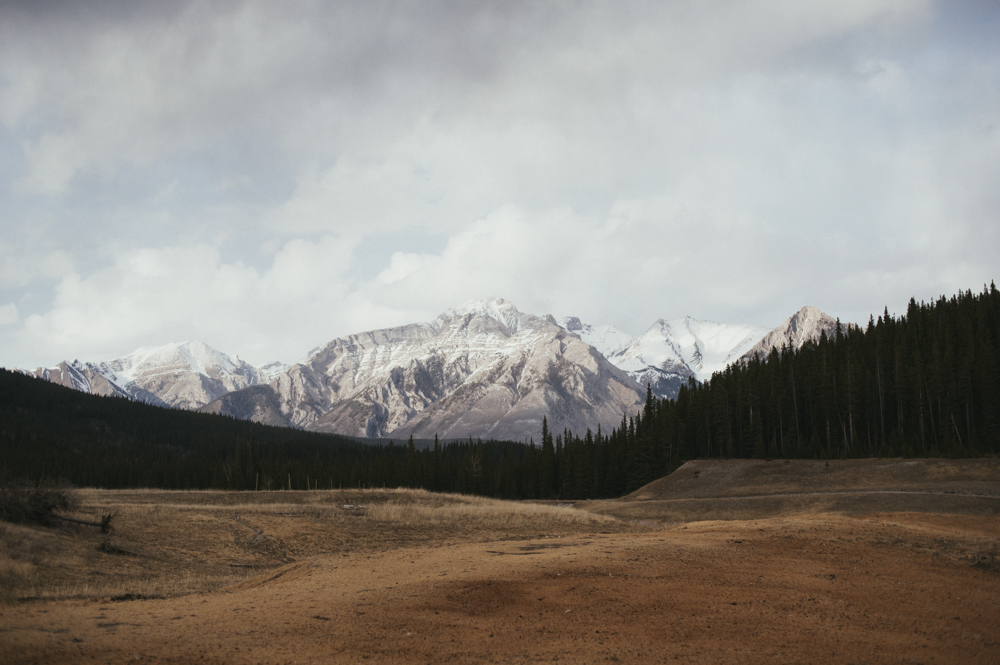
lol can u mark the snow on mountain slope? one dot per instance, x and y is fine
(274, 368)
(805, 325)
(185, 375)
(87, 377)
(606, 339)
(480, 369)
(670, 352)
(704, 347)
(483, 369)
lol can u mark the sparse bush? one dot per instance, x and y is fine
(23, 503)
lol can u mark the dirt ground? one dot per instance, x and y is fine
(444, 579)
(733, 478)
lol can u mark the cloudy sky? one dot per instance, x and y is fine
(268, 176)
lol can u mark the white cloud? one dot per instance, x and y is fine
(401, 266)
(8, 315)
(52, 162)
(128, 90)
(645, 257)
(154, 296)
(20, 264)
(357, 198)
(223, 171)
(56, 264)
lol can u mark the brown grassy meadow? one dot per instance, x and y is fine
(877, 561)
(168, 543)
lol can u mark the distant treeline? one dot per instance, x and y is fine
(49, 431)
(925, 384)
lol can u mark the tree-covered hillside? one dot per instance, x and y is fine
(54, 432)
(926, 384)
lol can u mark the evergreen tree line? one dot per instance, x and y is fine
(52, 432)
(924, 384)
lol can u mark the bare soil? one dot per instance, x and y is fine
(412, 577)
(749, 489)
(733, 478)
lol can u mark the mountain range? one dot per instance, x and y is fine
(483, 369)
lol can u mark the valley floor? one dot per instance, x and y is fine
(456, 579)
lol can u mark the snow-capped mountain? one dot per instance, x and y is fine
(484, 369)
(805, 325)
(185, 375)
(608, 340)
(670, 352)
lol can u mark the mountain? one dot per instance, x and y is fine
(184, 375)
(803, 326)
(484, 369)
(608, 340)
(670, 352)
(257, 403)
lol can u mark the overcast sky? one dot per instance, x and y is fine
(268, 176)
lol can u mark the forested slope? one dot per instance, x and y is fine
(926, 384)
(49, 431)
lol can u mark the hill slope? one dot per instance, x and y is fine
(759, 489)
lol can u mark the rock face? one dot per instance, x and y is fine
(670, 352)
(183, 375)
(257, 403)
(483, 369)
(805, 325)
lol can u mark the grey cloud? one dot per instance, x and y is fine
(771, 154)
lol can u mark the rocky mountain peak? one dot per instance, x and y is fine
(191, 356)
(179, 374)
(486, 314)
(481, 369)
(805, 325)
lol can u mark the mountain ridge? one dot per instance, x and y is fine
(482, 368)
(803, 326)
(178, 374)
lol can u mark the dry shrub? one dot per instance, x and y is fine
(22, 503)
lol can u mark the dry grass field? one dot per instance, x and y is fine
(168, 543)
(875, 561)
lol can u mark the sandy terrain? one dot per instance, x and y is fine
(551, 585)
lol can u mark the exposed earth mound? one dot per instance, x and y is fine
(754, 489)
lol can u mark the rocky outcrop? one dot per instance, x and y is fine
(257, 403)
(806, 325)
(482, 370)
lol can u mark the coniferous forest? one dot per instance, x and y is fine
(926, 384)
